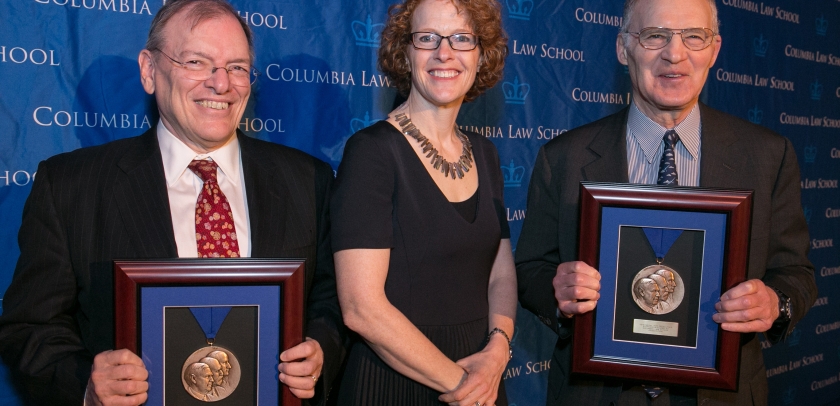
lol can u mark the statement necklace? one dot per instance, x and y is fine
(439, 162)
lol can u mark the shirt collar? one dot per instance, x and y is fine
(648, 133)
(177, 157)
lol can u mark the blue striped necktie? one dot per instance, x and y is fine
(668, 165)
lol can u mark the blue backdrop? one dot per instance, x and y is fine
(69, 79)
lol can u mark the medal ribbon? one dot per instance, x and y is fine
(661, 240)
(210, 319)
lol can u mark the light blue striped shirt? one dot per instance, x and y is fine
(645, 146)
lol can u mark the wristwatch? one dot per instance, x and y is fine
(784, 307)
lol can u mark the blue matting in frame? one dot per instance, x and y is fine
(267, 298)
(714, 224)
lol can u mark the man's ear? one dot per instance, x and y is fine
(147, 71)
(620, 49)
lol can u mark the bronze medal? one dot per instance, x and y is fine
(211, 373)
(658, 289)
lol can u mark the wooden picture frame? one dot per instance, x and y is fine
(721, 221)
(145, 289)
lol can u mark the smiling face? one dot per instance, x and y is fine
(441, 77)
(667, 82)
(202, 114)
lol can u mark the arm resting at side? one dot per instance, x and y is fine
(361, 275)
(39, 335)
(486, 367)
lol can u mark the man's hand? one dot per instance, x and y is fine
(750, 307)
(576, 287)
(117, 378)
(484, 370)
(300, 367)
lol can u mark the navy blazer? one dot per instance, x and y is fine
(93, 205)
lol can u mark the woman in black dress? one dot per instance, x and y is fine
(422, 247)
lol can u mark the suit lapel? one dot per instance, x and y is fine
(266, 194)
(143, 201)
(608, 152)
(720, 161)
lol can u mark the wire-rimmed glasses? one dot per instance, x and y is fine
(695, 39)
(239, 74)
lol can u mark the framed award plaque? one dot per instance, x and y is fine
(665, 255)
(210, 331)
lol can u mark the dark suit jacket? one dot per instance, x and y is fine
(93, 205)
(734, 154)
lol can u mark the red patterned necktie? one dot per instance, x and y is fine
(215, 233)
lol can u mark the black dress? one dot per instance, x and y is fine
(439, 264)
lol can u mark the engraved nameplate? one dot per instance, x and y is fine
(657, 328)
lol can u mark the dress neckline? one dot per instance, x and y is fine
(420, 166)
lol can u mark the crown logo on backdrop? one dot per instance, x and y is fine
(515, 93)
(807, 212)
(336, 151)
(816, 90)
(513, 174)
(520, 9)
(358, 124)
(810, 154)
(793, 337)
(760, 45)
(822, 25)
(755, 115)
(367, 33)
(789, 396)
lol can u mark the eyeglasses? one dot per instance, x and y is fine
(462, 41)
(202, 69)
(695, 39)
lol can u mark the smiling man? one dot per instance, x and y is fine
(192, 186)
(667, 137)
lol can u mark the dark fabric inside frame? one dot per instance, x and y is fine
(686, 258)
(238, 333)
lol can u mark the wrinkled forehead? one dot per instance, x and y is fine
(672, 14)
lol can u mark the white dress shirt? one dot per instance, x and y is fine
(183, 187)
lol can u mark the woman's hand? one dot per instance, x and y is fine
(485, 369)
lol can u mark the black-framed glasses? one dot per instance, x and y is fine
(695, 39)
(462, 41)
(239, 74)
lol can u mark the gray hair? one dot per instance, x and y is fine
(198, 11)
(630, 5)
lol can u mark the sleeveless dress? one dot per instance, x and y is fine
(439, 264)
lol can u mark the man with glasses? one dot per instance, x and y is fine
(667, 137)
(192, 186)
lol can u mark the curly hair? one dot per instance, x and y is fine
(486, 20)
